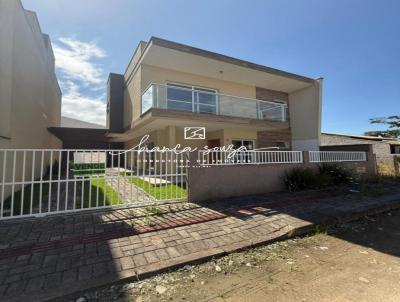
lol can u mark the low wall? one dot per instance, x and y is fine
(217, 182)
(386, 164)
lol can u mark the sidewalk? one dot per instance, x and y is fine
(46, 258)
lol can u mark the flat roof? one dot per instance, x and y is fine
(366, 137)
(215, 56)
(224, 58)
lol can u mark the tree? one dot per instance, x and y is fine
(393, 130)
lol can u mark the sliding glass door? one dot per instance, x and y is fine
(191, 98)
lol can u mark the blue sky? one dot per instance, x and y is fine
(354, 45)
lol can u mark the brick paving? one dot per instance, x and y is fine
(45, 258)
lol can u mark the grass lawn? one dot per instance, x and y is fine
(111, 197)
(106, 195)
(160, 192)
(27, 199)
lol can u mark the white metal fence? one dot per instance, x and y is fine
(336, 156)
(41, 182)
(211, 157)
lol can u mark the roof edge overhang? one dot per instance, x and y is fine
(365, 137)
(217, 59)
(226, 59)
(79, 134)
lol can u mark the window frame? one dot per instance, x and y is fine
(245, 139)
(245, 157)
(195, 89)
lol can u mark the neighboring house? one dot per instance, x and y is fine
(68, 122)
(78, 134)
(380, 145)
(168, 86)
(30, 97)
(386, 150)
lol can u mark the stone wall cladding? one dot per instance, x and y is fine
(271, 95)
(269, 138)
(388, 164)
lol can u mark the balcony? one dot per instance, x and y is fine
(200, 100)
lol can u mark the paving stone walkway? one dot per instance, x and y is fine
(46, 258)
(128, 191)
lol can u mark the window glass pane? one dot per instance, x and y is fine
(236, 143)
(174, 105)
(248, 144)
(179, 94)
(207, 98)
(243, 157)
(147, 99)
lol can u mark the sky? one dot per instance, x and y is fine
(353, 44)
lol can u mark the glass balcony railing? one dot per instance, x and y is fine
(201, 100)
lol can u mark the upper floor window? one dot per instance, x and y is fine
(191, 98)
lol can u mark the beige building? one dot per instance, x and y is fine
(386, 150)
(380, 145)
(30, 97)
(169, 86)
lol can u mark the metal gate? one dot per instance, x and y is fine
(37, 182)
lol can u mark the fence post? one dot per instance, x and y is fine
(193, 162)
(372, 165)
(306, 157)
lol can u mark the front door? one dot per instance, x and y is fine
(212, 143)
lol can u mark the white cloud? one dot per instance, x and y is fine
(78, 72)
(83, 108)
(75, 60)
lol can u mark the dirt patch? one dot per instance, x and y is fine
(358, 261)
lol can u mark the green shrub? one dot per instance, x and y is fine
(338, 174)
(300, 179)
(305, 178)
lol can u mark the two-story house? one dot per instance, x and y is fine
(30, 97)
(169, 86)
